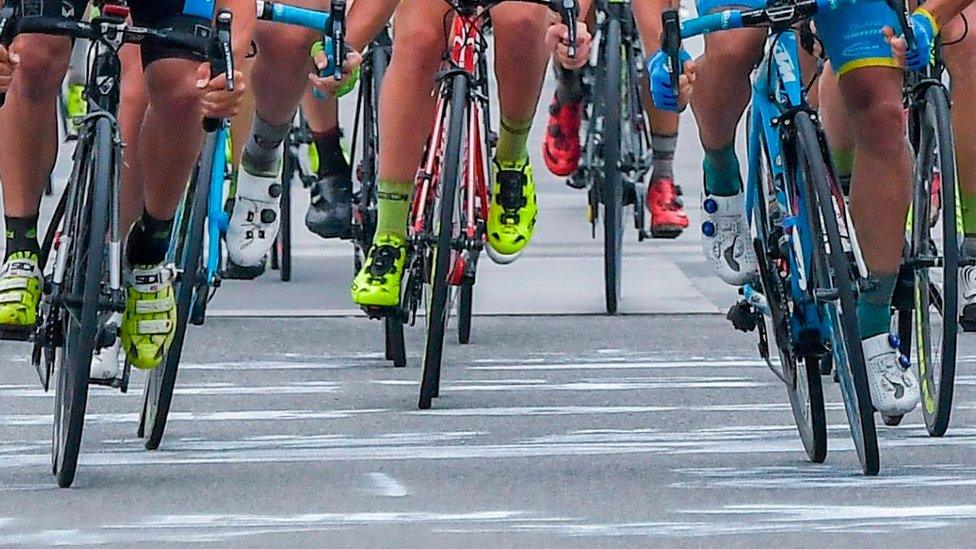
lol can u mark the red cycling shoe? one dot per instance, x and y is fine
(668, 218)
(561, 148)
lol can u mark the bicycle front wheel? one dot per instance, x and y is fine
(441, 252)
(84, 292)
(612, 190)
(835, 278)
(935, 258)
(161, 382)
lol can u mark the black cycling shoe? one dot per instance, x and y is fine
(330, 213)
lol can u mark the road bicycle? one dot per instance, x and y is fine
(448, 216)
(809, 260)
(81, 254)
(616, 159)
(366, 135)
(930, 317)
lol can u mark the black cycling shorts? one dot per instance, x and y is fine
(145, 13)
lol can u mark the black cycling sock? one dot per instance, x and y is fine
(570, 85)
(332, 160)
(148, 240)
(21, 235)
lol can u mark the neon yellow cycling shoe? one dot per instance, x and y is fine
(75, 105)
(20, 292)
(378, 283)
(513, 211)
(149, 321)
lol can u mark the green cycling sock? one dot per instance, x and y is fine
(843, 160)
(968, 212)
(393, 206)
(874, 305)
(721, 166)
(513, 137)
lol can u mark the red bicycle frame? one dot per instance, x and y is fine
(465, 55)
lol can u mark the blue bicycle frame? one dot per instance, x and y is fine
(777, 96)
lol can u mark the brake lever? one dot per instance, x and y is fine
(901, 12)
(569, 12)
(221, 56)
(671, 44)
(337, 13)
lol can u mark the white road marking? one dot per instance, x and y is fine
(384, 485)
(242, 415)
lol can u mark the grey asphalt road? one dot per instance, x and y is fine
(557, 426)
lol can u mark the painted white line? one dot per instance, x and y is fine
(384, 485)
(620, 365)
(191, 389)
(17, 420)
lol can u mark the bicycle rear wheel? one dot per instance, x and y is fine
(935, 260)
(161, 382)
(834, 277)
(83, 293)
(396, 350)
(441, 250)
(612, 189)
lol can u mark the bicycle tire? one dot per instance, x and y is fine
(161, 382)
(612, 188)
(465, 309)
(396, 349)
(936, 142)
(837, 274)
(443, 229)
(806, 391)
(283, 242)
(87, 258)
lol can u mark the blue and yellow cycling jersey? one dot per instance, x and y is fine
(851, 34)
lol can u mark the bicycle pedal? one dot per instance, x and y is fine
(743, 317)
(16, 333)
(380, 313)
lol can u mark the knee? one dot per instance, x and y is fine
(171, 88)
(735, 54)
(525, 25)
(43, 62)
(419, 49)
(879, 124)
(284, 47)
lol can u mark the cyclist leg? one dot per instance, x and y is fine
(722, 92)
(870, 85)
(561, 148)
(279, 80)
(521, 56)
(169, 137)
(960, 58)
(663, 196)
(330, 211)
(29, 133)
(406, 110)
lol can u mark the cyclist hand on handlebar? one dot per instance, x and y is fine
(662, 90)
(218, 101)
(328, 85)
(557, 39)
(8, 64)
(926, 29)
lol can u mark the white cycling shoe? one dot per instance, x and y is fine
(967, 298)
(726, 239)
(256, 218)
(894, 388)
